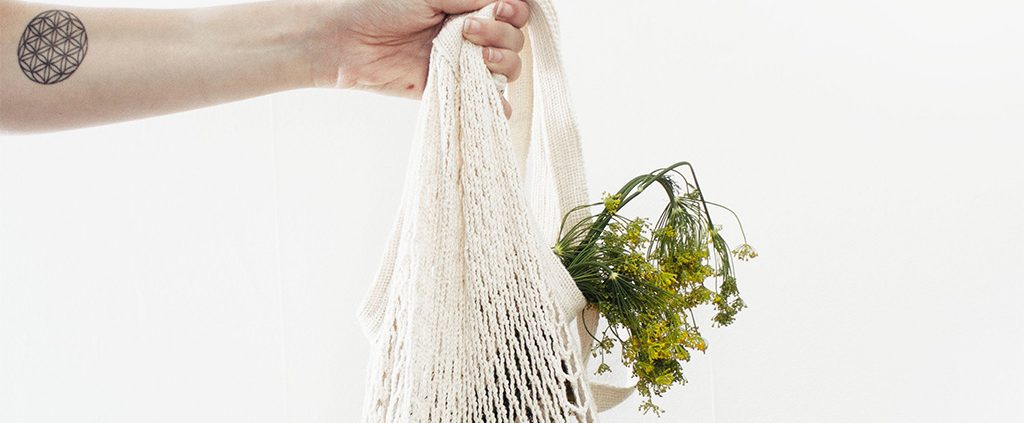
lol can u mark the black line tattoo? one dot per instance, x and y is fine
(52, 47)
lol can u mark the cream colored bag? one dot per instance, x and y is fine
(472, 317)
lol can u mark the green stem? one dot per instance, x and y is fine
(734, 215)
(640, 183)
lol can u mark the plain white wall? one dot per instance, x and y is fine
(206, 266)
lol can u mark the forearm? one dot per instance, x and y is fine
(140, 62)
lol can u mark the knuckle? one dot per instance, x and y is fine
(517, 69)
(520, 13)
(524, 11)
(504, 35)
(511, 64)
(520, 40)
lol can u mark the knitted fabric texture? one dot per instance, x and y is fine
(471, 316)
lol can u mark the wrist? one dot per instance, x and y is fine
(331, 43)
(294, 38)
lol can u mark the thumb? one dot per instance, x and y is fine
(453, 7)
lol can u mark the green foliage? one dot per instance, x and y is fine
(646, 279)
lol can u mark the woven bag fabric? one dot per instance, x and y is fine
(471, 316)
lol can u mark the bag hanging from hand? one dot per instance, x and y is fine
(471, 315)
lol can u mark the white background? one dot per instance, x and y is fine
(206, 266)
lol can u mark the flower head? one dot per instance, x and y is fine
(611, 202)
(744, 252)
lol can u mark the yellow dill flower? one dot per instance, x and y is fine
(646, 279)
(611, 202)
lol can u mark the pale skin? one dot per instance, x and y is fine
(148, 62)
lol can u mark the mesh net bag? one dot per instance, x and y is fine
(471, 316)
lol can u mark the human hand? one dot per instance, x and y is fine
(384, 45)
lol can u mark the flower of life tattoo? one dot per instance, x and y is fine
(52, 47)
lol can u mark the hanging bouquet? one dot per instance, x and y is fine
(646, 280)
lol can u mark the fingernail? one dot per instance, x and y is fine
(493, 55)
(472, 26)
(503, 10)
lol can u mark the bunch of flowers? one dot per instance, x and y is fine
(646, 280)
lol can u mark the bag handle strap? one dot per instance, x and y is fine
(543, 76)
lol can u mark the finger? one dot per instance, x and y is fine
(515, 12)
(453, 7)
(508, 108)
(505, 62)
(491, 33)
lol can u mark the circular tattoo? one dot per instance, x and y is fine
(52, 47)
